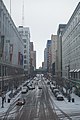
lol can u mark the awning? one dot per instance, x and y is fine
(71, 70)
(75, 70)
(78, 70)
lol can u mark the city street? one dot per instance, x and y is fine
(41, 104)
(37, 105)
(39, 60)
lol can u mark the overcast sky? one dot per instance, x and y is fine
(43, 18)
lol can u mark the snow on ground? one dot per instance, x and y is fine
(7, 104)
(65, 106)
(68, 107)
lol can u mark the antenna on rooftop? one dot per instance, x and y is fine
(23, 13)
(10, 7)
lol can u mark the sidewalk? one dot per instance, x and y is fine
(69, 107)
(7, 103)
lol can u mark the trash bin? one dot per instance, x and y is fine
(8, 100)
(69, 100)
(72, 99)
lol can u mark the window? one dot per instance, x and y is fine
(24, 51)
(24, 40)
(25, 66)
(25, 61)
(21, 32)
(24, 56)
(24, 46)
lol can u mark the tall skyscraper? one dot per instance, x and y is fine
(49, 56)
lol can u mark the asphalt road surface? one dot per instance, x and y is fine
(38, 105)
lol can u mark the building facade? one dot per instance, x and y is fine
(59, 49)
(53, 52)
(11, 48)
(49, 56)
(11, 43)
(31, 46)
(45, 59)
(25, 35)
(33, 59)
(71, 47)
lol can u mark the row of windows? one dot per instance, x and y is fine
(73, 23)
(73, 37)
(74, 64)
(74, 75)
(23, 32)
(72, 54)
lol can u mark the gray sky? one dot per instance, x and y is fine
(43, 18)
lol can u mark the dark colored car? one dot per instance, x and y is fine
(31, 87)
(20, 102)
(39, 87)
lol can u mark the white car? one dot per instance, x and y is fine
(60, 97)
(24, 89)
(55, 90)
(52, 87)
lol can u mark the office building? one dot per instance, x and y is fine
(53, 52)
(11, 44)
(49, 56)
(45, 59)
(25, 35)
(71, 47)
(59, 50)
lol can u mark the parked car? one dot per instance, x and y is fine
(39, 87)
(24, 89)
(31, 87)
(48, 83)
(52, 87)
(55, 91)
(20, 102)
(60, 97)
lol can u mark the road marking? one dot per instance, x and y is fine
(20, 108)
(20, 113)
(38, 106)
